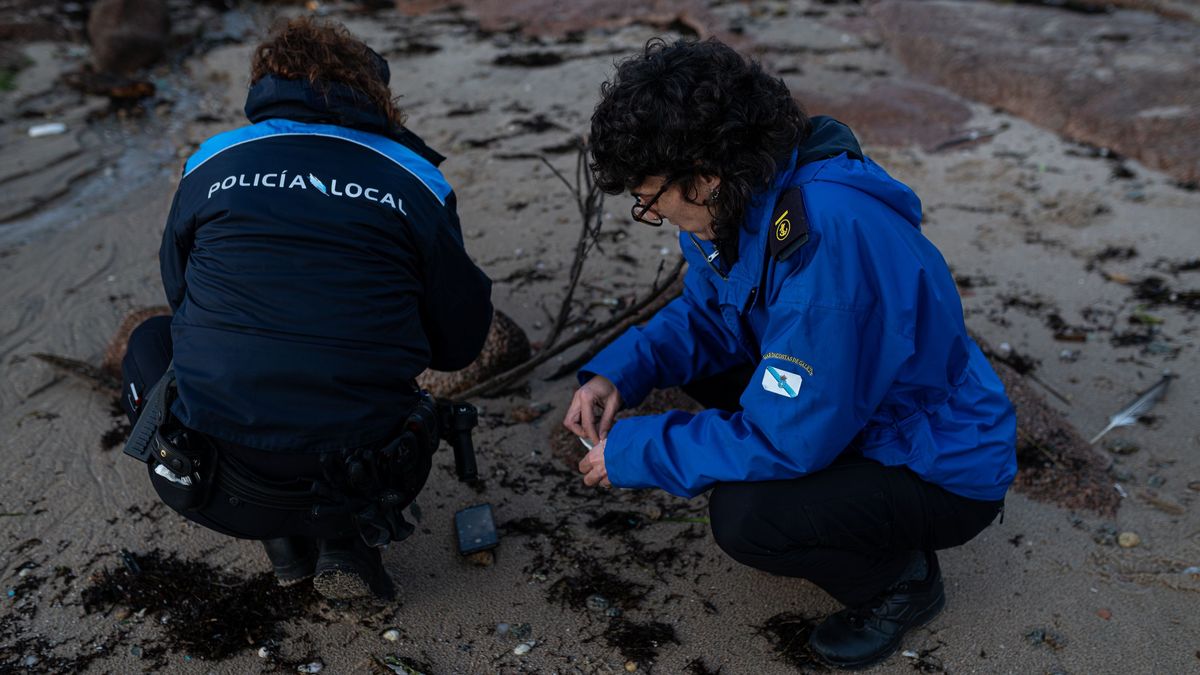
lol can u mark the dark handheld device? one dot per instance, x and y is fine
(455, 422)
(476, 529)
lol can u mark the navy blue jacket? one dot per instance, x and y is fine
(315, 265)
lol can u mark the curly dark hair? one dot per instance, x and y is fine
(687, 109)
(323, 52)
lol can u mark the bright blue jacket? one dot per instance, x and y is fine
(858, 338)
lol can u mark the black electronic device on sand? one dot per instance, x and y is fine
(476, 529)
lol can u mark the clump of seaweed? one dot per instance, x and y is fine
(574, 591)
(788, 633)
(639, 642)
(205, 612)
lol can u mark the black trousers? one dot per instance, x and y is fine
(146, 359)
(850, 528)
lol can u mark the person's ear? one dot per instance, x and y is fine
(706, 183)
(708, 188)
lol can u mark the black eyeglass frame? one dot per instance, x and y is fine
(638, 210)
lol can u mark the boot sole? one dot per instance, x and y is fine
(339, 585)
(292, 581)
(924, 618)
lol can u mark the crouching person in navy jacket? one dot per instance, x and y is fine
(852, 426)
(315, 265)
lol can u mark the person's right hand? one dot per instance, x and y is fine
(598, 395)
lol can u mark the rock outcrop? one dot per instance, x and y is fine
(115, 351)
(127, 34)
(560, 18)
(505, 347)
(1124, 80)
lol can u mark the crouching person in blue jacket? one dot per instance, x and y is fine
(852, 426)
(315, 266)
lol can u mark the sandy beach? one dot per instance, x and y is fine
(1052, 236)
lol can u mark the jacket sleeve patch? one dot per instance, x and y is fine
(789, 224)
(782, 382)
(790, 359)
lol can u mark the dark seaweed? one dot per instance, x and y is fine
(618, 522)
(639, 642)
(788, 633)
(210, 613)
(1156, 291)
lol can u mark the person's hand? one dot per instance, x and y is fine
(592, 467)
(599, 394)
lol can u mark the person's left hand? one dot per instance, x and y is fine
(592, 466)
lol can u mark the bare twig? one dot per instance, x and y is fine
(671, 291)
(589, 199)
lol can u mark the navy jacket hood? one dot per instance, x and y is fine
(828, 138)
(331, 103)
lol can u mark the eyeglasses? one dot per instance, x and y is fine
(639, 210)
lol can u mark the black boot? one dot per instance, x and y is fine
(294, 558)
(859, 637)
(348, 568)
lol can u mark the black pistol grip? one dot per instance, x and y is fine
(464, 457)
(141, 443)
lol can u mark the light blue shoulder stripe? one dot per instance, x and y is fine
(403, 156)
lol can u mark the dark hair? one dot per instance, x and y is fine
(323, 52)
(695, 108)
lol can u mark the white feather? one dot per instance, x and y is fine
(1140, 407)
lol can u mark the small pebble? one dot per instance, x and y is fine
(1104, 613)
(30, 661)
(613, 611)
(263, 652)
(909, 654)
(1194, 486)
(630, 666)
(123, 613)
(135, 651)
(1128, 539)
(523, 648)
(24, 573)
(502, 629)
(1194, 570)
(391, 635)
(314, 667)
(597, 603)
(1156, 481)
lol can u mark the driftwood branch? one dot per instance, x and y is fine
(510, 377)
(672, 288)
